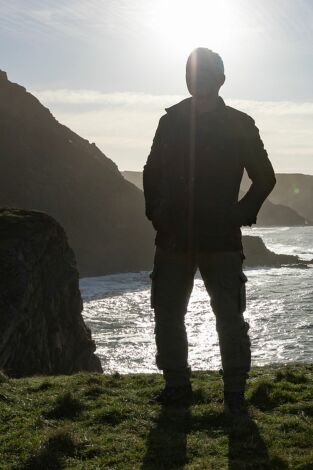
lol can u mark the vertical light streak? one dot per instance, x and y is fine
(191, 174)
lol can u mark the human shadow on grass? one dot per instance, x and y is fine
(246, 447)
(247, 450)
(167, 441)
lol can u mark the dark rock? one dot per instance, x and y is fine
(257, 254)
(42, 329)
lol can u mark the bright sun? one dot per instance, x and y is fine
(186, 24)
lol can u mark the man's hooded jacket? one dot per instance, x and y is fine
(192, 177)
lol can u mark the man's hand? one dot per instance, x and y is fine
(238, 218)
(160, 218)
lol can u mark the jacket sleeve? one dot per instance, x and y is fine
(152, 173)
(260, 171)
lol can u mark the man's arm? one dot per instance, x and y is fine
(261, 173)
(152, 173)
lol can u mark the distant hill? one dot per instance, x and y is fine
(134, 177)
(293, 190)
(46, 166)
(269, 215)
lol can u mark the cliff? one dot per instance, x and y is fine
(42, 329)
(47, 167)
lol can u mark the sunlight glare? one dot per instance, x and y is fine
(183, 24)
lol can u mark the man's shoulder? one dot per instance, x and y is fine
(241, 123)
(175, 116)
(180, 108)
(183, 108)
(177, 112)
(239, 116)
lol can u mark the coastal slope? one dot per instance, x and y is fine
(46, 166)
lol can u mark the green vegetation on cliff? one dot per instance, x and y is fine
(93, 421)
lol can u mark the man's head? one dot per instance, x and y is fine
(204, 72)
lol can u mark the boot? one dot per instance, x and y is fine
(173, 395)
(235, 403)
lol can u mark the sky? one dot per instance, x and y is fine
(108, 68)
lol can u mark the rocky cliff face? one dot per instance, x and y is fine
(45, 166)
(42, 329)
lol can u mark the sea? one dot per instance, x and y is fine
(279, 311)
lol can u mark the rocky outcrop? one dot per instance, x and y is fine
(257, 254)
(47, 167)
(42, 329)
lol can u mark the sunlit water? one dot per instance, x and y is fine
(279, 310)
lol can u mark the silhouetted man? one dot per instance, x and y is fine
(191, 184)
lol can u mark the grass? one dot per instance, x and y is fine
(93, 421)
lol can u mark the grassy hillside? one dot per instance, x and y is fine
(92, 421)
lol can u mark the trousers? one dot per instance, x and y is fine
(171, 286)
